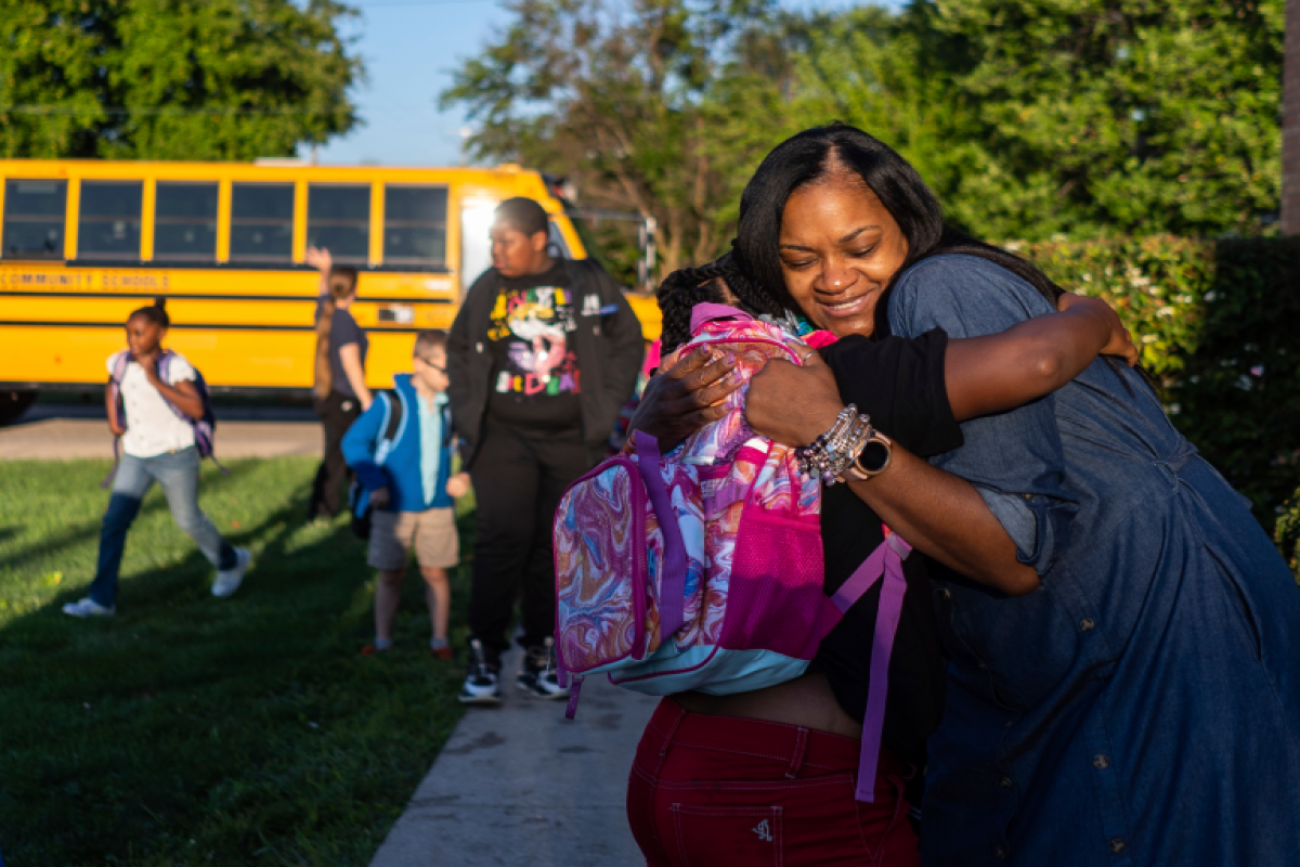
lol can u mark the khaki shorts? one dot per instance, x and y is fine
(432, 533)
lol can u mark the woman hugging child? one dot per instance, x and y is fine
(791, 750)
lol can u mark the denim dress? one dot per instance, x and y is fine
(1142, 707)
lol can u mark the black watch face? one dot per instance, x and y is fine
(874, 457)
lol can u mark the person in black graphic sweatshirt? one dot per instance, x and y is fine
(541, 357)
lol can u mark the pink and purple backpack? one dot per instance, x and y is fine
(702, 569)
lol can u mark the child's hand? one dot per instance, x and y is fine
(319, 258)
(1120, 343)
(149, 365)
(458, 485)
(667, 362)
(380, 497)
(116, 427)
(686, 396)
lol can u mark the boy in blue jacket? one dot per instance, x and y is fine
(410, 484)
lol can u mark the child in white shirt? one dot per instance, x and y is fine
(158, 445)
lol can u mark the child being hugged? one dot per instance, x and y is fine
(405, 470)
(156, 388)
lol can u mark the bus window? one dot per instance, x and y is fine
(261, 222)
(185, 222)
(109, 224)
(338, 219)
(415, 225)
(33, 219)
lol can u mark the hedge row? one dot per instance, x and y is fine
(1287, 534)
(1219, 324)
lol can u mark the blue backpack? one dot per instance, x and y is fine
(359, 504)
(205, 428)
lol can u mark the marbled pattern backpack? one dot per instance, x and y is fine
(702, 569)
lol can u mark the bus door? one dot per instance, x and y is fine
(475, 243)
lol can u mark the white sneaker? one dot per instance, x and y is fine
(539, 674)
(89, 608)
(228, 580)
(480, 685)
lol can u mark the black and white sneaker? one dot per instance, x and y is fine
(480, 685)
(539, 675)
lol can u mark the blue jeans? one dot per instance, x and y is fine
(178, 474)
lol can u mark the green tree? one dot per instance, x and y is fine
(631, 100)
(1105, 117)
(1029, 118)
(1033, 118)
(876, 69)
(172, 79)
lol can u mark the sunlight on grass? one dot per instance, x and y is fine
(195, 730)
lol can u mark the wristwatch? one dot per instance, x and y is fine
(872, 461)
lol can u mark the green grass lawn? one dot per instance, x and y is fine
(196, 730)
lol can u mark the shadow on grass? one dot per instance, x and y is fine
(196, 730)
(89, 530)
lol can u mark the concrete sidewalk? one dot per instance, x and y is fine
(67, 438)
(520, 784)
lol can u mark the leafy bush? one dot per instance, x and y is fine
(1287, 535)
(1219, 325)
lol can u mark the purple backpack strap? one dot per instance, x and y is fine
(672, 587)
(164, 365)
(117, 460)
(202, 430)
(885, 562)
(575, 689)
(120, 362)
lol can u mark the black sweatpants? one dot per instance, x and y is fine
(336, 414)
(518, 478)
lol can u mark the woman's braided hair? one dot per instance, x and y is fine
(721, 281)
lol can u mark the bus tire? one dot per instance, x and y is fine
(13, 404)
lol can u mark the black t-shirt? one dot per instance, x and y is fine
(535, 377)
(900, 384)
(344, 330)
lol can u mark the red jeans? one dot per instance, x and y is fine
(718, 791)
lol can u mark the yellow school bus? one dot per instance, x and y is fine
(83, 243)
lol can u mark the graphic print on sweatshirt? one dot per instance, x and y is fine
(530, 329)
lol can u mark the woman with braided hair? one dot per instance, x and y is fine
(795, 747)
(1121, 632)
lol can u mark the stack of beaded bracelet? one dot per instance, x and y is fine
(835, 451)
